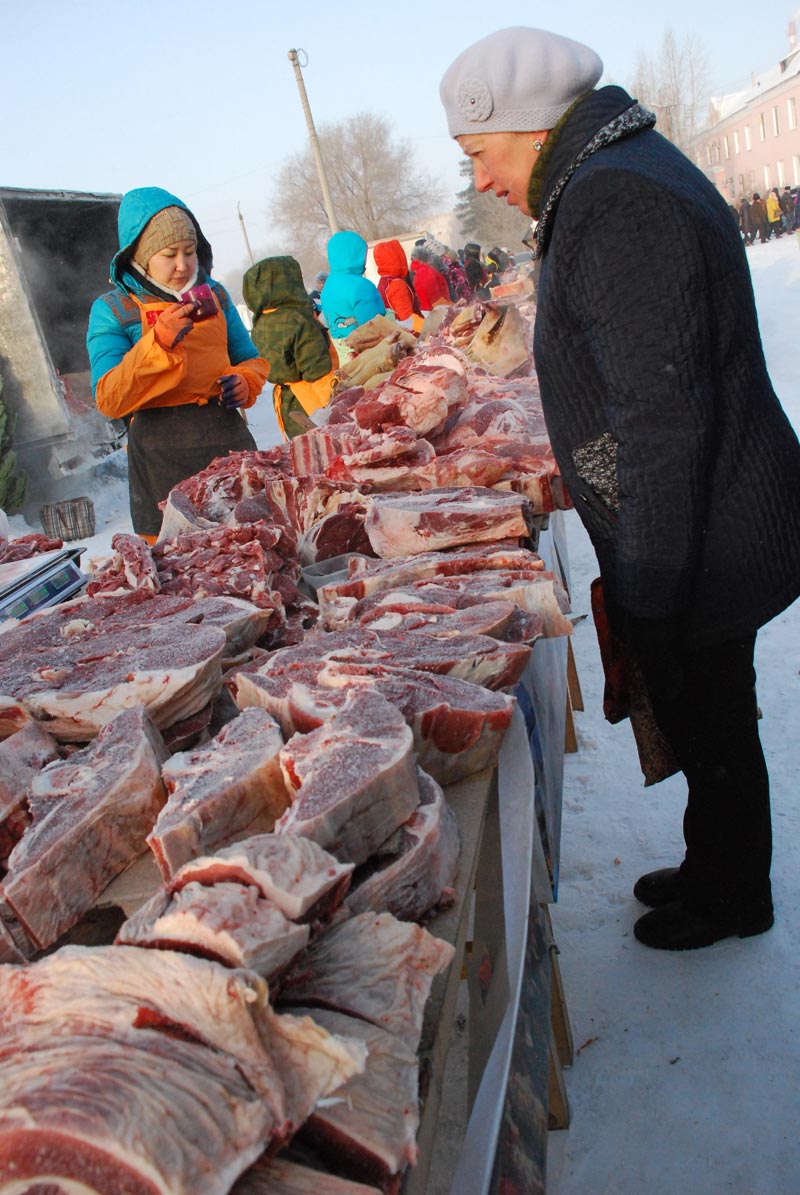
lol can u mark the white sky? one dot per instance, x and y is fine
(201, 98)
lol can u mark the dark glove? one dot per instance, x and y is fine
(233, 391)
(653, 643)
(173, 324)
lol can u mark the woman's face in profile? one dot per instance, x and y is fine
(502, 162)
(175, 265)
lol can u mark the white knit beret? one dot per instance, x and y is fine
(516, 81)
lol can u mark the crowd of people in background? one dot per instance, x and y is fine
(768, 216)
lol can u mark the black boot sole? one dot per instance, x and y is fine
(673, 927)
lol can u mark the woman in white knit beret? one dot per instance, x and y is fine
(674, 447)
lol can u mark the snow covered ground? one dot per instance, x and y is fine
(686, 1068)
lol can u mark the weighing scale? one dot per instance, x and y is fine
(44, 580)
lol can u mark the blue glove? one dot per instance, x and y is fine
(233, 391)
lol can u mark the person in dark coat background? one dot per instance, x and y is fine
(473, 266)
(758, 218)
(674, 447)
(745, 221)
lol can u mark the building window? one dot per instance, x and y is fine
(741, 184)
(727, 147)
(736, 141)
(796, 168)
(708, 155)
(747, 142)
(779, 168)
(776, 128)
(762, 127)
(766, 178)
(791, 105)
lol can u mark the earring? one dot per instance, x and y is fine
(537, 145)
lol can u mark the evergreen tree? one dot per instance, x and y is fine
(485, 219)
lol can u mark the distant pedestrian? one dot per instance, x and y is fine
(393, 285)
(315, 294)
(430, 284)
(774, 212)
(787, 209)
(758, 217)
(473, 266)
(746, 222)
(348, 298)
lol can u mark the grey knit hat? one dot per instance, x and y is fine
(168, 227)
(516, 81)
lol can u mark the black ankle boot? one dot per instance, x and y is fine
(660, 887)
(676, 927)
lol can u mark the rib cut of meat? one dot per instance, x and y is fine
(458, 727)
(229, 923)
(22, 757)
(223, 791)
(368, 1130)
(90, 816)
(372, 966)
(403, 610)
(279, 1176)
(131, 567)
(303, 880)
(353, 780)
(404, 524)
(413, 870)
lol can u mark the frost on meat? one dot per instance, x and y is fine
(223, 791)
(368, 1131)
(22, 757)
(229, 923)
(412, 872)
(353, 781)
(91, 814)
(303, 880)
(372, 966)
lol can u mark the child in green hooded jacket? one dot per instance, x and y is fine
(289, 336)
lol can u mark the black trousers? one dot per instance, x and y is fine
(168, 444)
(713, 729)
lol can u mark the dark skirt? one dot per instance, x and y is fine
(168, 444)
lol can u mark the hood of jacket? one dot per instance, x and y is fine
(274, 282)
(390, 259)
(137, 208)
(347, 252)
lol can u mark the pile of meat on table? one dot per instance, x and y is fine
(281, 751)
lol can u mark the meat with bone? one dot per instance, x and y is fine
(314, 451)
(242, 561)
(152, 1116)
(419, 398)
(90, 814)
(303, 880)
(535, 591)
(493, 420)
(367, 576)
(229, 923)
(372, 966)
(215, 491)
(404, 524)
(279, 1176)
(131, 567)
(335, 534)
(368, 1130)
(458, 727)
(353, 780)
(77, 666)
(413, 870)
(22, 757)
(407, 471)
(500, 343)
(24, 547)
(475, 658)
(179, 517)
(220, 792)
(404, 611)
(132, 998)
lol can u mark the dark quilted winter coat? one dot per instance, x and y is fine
(677, 453)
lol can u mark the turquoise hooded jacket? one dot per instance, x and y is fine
(113, 327)
(348, 299)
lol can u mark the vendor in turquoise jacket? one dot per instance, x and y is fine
(180, 382)
(348, 298)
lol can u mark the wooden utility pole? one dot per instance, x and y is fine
(312, 134)
(244, 234)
